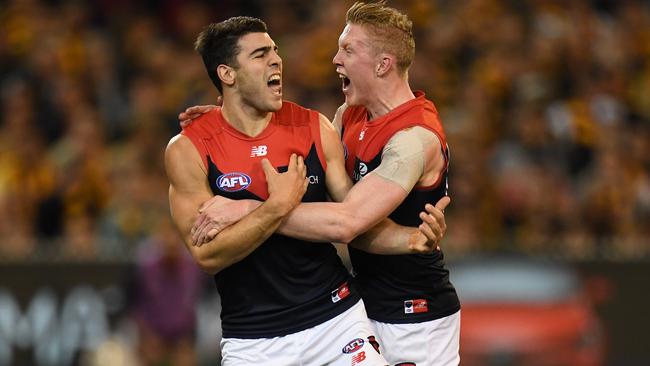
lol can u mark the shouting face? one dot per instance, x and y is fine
(355, 62)
(258, 75)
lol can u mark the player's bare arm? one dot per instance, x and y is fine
(217, 214)
(386, 238)
(375, 196)
(189, 189)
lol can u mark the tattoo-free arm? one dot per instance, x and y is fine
(367, 203)
(189, 188)
(343, 221)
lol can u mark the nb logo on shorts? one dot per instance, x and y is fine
(358, 358)
(259, 151)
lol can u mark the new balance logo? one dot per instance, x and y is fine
(258, 151)
(358, 358)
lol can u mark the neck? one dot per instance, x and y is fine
(389, 93)
(244, 117)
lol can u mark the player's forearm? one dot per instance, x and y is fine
(239, 240)
(319, 222)
(325, 222)
(387, 238)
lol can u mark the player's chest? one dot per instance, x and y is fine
(362, 153)
(235, 166)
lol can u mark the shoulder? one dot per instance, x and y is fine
(177, 143)
(416, 135)
(338, 117)
(328, 132)
(180, 154)
(326, 124)
(295, 114)
(341, 110)
(431, 119)
(330, 138)
(179, 146)
(417, 145)
(204, 125)
(412, 144)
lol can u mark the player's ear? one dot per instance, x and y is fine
(384, 64)
(226, 74)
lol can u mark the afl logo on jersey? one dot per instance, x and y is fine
(233, 182)
(353, 346)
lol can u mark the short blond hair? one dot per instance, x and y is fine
(390, 30)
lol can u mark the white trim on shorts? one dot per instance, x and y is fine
(432, 343)
(340, 341)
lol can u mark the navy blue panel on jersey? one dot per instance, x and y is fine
(286, 285)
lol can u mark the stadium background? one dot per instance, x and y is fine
(546, 104)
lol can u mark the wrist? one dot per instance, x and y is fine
(278, 207)
(416, 240)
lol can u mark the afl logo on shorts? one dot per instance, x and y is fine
(353, 346)
(233, 182)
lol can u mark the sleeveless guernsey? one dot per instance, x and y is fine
(399, 288)
(286, 285)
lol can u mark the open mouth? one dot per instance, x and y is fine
(345, 81)
(274, 82)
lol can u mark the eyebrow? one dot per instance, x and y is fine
(355, 43)
(264, 49)
(361, 42)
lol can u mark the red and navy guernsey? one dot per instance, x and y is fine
(399, 288)
(286, 285)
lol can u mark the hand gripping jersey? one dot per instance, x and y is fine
(286, 285)
(399, 288)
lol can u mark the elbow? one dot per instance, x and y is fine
(348, 224)
(346, 231)
(209, 268)
(209, 265)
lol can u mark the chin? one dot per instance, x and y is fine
(276, 105)
(351, 100)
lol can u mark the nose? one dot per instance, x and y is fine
(337, 59)
(276, 60)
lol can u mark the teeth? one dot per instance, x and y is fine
(274, 78)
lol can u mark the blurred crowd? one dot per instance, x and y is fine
(546, 105)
